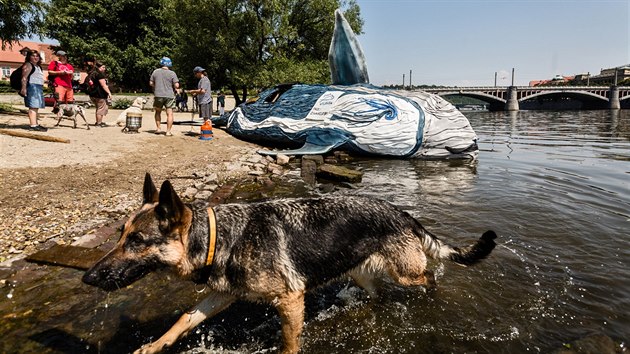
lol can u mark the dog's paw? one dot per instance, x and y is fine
(151, 348)
(147, 349)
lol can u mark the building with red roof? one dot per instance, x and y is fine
(12, 57)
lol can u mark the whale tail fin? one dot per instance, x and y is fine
(345, 56)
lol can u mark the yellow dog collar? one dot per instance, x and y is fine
(213, 236)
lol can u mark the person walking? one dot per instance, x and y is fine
(99, 92)
(33, 88)
(164, 83)
(60, 74)
(203, 92)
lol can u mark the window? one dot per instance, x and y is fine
(6, 71)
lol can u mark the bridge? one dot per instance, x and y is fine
(511, 98)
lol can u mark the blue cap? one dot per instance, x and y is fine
(198, 69)
(166, 61)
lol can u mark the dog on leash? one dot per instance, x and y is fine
(136, 107)
(70, 111)
(272, 251)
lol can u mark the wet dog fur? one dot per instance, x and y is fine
(273, 251)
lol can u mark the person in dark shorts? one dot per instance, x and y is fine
(165, 83)
(203, 93)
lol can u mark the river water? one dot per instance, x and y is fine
(555, 186)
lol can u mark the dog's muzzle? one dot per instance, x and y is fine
(111, 276)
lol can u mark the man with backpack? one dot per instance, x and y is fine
(60, 74)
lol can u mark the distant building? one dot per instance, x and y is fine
(582, 78)
(607, 76)
(557, 80)
(12, 58)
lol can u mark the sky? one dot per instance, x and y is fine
(464, 42)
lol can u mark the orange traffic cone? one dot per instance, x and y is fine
(206, 131)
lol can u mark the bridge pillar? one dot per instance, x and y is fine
(512, 102)
(613, 97)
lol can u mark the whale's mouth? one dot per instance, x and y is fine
(469, 149)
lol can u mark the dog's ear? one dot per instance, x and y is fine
(170, 206)
(149, 192)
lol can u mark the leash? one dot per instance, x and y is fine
(213, 236)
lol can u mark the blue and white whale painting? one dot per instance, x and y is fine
(352, 114)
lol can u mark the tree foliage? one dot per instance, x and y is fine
(242, 43)
(129, 36)
(20, 19)
(257, 43)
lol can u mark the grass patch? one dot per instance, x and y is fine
(7, 108)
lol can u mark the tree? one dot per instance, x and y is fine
(257, 43)
(19, 19)
(129, 36)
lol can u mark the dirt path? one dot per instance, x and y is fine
(55, 192)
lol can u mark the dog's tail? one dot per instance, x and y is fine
(465, 256)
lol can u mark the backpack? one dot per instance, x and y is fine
(16, 78)
(88, 85)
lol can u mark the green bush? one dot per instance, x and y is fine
(122, 103)
(5, 87)
(7, 108)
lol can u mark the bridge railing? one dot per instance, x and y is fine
(501, 88)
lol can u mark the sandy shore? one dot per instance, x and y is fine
(57, 192)
(96, 146)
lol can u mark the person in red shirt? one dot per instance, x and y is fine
(63, 73)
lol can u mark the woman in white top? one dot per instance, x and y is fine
(33, 88)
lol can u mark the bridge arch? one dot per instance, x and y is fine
(495, 103)
(574, 100)
(572, 94)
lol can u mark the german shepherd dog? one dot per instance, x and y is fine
(272, 251)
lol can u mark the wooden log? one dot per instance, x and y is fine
(309, 168)
(34, 136)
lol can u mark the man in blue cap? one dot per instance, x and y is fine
(165, 83)
(203, 92)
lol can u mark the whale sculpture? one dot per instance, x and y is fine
(352, 115)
